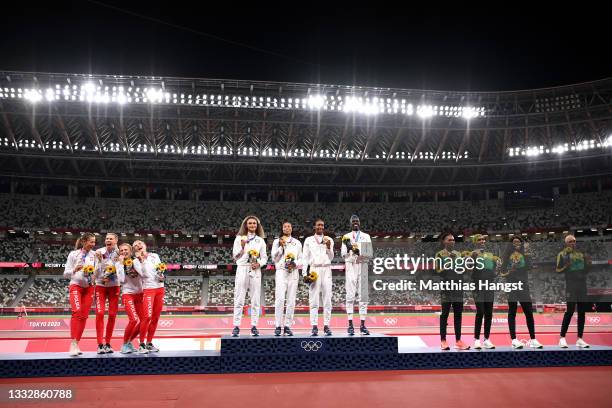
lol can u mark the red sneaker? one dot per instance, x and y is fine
(460, 345)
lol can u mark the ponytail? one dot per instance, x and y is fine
(82, 239)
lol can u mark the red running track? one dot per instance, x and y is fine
(515, 387)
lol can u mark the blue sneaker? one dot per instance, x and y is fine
(126, 349)
(131, 346)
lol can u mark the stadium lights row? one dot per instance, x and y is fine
(91, 93)
(228, 151)
(535, 151)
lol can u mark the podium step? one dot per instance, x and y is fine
(374, 344)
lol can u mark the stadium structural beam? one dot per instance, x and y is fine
(441, 145)
(34, 131)
(94, 134)
(9, 130)
(342, 142)
(369, 143)
(464, 141)
(484, 143)
(506, 142)
(396, 140)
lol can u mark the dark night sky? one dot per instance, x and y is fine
(386, 47)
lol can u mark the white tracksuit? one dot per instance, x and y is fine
(148, 271)
(129, 285)
(248, 279)
(107, 259)
(356, 268)
(76, 258)
(286, 282)
(319, 257)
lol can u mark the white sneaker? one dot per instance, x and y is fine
(74, 349)
(488, 345)
(562, 342)
(582, 344)
(477, 345)
(143, 349)
(517, 344)
(533, 343)
(78, 349)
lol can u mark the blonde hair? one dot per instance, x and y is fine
(80, 242)
(243, 227)
(144, 246)
(127, 245)
(568, 237)
(476, 237)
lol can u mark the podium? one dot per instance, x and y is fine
(295, 354)
(306, 353)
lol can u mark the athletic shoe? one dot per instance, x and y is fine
(364, 330)
(582, 344)
(236, 331)
(277, 331)
(125, 349)
(517, 344)
(152, 348)
(254, 332)
(488, 345)
(477, 345)
(315, 331)
(78, 349)
(327, 330)
(108, 349)
(287, 331)
(350, 330)
(533, 343)
(444, 345)
(143, 349)
(74, 349)
(101, 349)
(562, 342)
(460, 345)
(132, 348)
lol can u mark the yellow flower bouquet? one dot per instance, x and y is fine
(311, 277)
(253, 255)
(88, 271)
(110, 273)
(290, 261)
(161, 268)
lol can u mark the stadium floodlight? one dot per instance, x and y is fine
(103, 94)
(425, 111)
(469, 113)
(316, 102)
(88, 87)
(32, 95)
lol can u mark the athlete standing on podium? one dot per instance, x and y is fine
(108, 286)
(250, 255)
(356, 251)
(318, 255)
(286, 253)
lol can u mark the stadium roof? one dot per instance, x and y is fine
(261, 134)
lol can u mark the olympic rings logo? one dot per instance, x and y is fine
(311, 345)
(594, 319)
(166, 323)
(390, 321)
